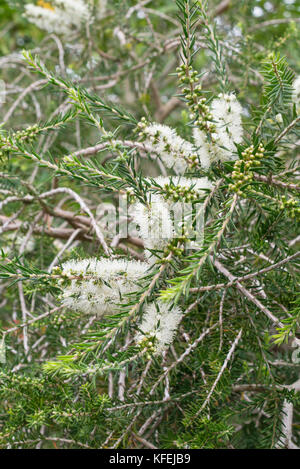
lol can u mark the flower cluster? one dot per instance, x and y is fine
(164, 220)
(175, 152)
(93, 286)
(11, 241)
(100, 8)
(155, 224)
(158, 326)
(220, 144)
(59, 16)
(213, 141)
(242, 172)
(163, 217)
(98, 286)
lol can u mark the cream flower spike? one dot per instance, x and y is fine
(98, 286)
(58, 16)
(175, 152)
(226, 112)
(158, 326)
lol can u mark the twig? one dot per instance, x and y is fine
(224, 366)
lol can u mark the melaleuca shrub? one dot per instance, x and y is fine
(149, 218)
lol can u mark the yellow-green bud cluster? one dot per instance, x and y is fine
(242, 171)
(173, 248)
(60, 318)
(141, 126)
(187, 74)
(56, 270)
(27, 134)
(24, 380)
(192, 160)
(130, 195)
(180, 193)
(200, 112)
(65, 278)
(5, 145)
(148, 343)
(291, 205)
(7, 142)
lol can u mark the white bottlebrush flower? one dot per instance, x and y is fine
(206, 150)
(163, 217)
(17, 241)
(58, 16)
(296, 93)
(100, 8)
(46, 18)
(174, 151)
(155, 224)
(187, 214)
(79, 10)
(159, 323)
(226, 112)
(101, 284)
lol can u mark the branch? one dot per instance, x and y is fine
(224, 366)
(275, 182)
(246, 293)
